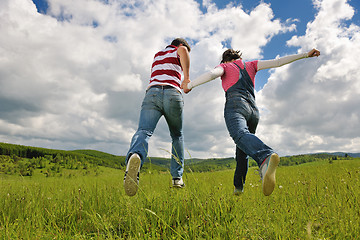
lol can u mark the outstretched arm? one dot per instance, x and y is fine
(265, 64)
(204, 78)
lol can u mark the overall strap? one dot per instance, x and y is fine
(240, 67)
(244, 83)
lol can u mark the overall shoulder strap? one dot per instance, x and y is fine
(240, 67)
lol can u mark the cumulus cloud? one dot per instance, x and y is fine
(311, 105)
(74, 77)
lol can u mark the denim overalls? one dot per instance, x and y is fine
(241, 117)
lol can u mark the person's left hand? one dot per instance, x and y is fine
(314, 53)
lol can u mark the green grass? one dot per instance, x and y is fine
(311, 201)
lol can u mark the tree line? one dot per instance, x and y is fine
(23, 160)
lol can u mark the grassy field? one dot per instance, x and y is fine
(318, 200)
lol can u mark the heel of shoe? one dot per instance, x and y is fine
(131, 179)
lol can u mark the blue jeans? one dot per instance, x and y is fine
(167, 102)
(241, 119)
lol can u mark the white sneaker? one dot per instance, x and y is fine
(178, 183)
(131, 178)
(267, 173)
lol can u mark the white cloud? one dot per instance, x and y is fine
(312, 104)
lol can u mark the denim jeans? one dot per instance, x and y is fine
(242, 117)
(167, 102)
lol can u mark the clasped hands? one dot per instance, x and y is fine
(184, 86)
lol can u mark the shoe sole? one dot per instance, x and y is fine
(130, 182)
(269, 178)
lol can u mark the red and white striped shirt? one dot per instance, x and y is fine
(166, 68)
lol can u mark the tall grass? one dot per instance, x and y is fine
(311, 201)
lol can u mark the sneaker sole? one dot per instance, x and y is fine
(130, 182)
(269, 178)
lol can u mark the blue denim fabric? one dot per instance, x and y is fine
(242, 117)
(167, 102)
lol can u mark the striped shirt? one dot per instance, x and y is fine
(166, 68)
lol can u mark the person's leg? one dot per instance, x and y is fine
(149, 117)
(241, 169)
(238, 114)
(236, 117)
(242, 159)
(173, 112)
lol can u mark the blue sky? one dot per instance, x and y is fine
(73, 73)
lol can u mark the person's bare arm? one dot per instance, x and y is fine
(185, 63)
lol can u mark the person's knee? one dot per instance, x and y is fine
(239, 135)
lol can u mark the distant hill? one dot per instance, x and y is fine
(56, 159)
(342, 154)
(90, 156)
(216, 164)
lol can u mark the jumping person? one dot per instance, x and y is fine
(242, 115)
(163, 98)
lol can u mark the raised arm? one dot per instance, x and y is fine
(265, 64)
(204, 78)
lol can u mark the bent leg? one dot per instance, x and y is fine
(246, 141)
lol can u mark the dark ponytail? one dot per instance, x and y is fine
(230, 55)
